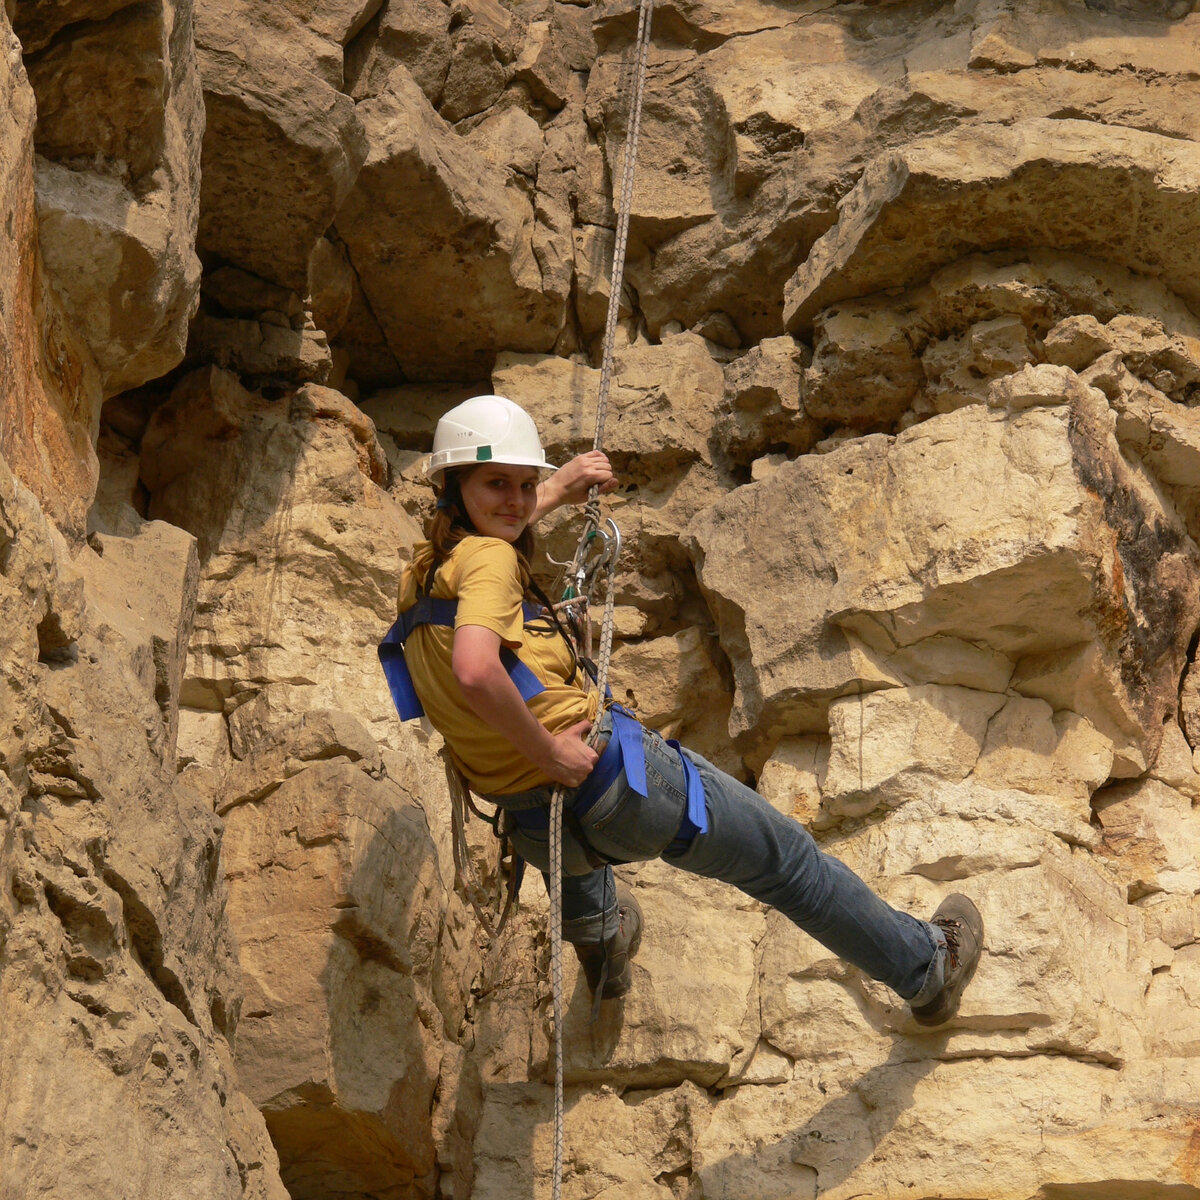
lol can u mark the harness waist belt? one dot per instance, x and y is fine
(430, 610)
(625, 750)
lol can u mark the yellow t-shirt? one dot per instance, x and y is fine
(484, 574)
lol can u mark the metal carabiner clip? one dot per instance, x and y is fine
(604, 558)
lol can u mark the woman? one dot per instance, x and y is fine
(499, 680)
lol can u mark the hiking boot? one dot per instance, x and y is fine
(606, 965)
(960, 921)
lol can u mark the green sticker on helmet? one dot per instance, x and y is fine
(483, 453)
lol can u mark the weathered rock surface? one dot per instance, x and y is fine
(115, 959)
(118, 183)
(51, 385)
(355, 970)
(282, 147)
(1105, 557)
(907, 368)
(291, 526)
(465, 232)
(1070, 184)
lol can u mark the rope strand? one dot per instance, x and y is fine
(591, 525)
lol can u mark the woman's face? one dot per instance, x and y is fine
(500, 499)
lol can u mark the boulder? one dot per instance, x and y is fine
(765, 402)
(1116, 193)
(429, 219)
(412, 33)
(1049, 550)
(1152, 835)
(864, 370)
(263, 106)
(1051, 1124)
(124, 266)
(296, 609)
(120, 119)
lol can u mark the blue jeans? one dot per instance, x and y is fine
(749, 844)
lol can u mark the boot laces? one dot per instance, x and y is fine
(950, 927)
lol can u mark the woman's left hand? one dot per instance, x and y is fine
(571, 483)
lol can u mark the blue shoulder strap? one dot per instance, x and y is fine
(430, 610)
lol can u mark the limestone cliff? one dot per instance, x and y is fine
(903, 411)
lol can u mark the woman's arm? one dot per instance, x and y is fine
(493, 697)
(571, 483)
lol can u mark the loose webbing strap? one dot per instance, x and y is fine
(430, 610)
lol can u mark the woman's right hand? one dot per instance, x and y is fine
(571, 759)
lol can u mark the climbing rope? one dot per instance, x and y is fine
(603, 563)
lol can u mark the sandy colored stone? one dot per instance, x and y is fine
(264, 106)
(791, 778)
(340, 916)
(410, 32)
(764, 402)
(1084, 178)
(1065, 962)
(660, 406)
(48, 424)
(685, 1018)
(1043, 288)
(1020, 538)
(1174, 764)
(674, 686)
(117, 967)
(888, 746)
(125, 267)
(652, 1133)
(806, 98)
(146, 587)
(261, 349)
(844, 625)
(36, 22)
(960, 369)
(1152, 832)
(120, 119)
(293, 607)
(1031, 748)
(864, 370)
(861, 1134)
(462, 215)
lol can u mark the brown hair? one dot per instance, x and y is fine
(450, 524)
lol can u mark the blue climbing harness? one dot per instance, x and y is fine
(430, 610)
(624, 749)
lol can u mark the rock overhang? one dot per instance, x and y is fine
(1117, 194)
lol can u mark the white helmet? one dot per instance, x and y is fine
(485, 429)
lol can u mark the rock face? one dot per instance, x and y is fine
(51, 383)
(467, 228)
(120, 990)
(941, 598)
(118, 180)
(904, 410)
(318, 837)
